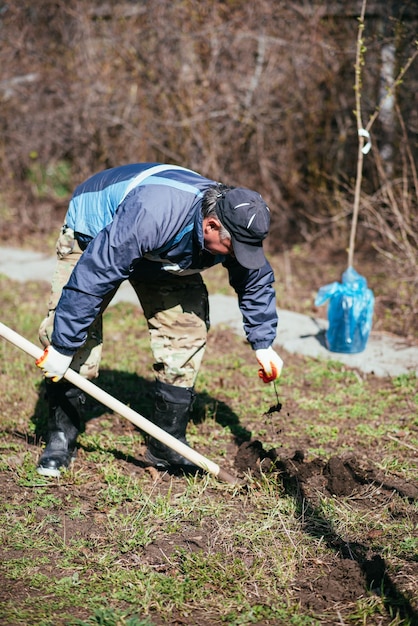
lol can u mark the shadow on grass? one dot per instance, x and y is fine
(137, 393)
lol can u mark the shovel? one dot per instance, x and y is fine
(118, 407)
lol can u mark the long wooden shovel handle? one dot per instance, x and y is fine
(118, 407)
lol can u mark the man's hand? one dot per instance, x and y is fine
(271, 364)
(53, 363)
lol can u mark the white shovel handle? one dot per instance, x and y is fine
(123, 410)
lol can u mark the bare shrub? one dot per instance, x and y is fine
(235, 90)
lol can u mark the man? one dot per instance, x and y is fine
(158, 226)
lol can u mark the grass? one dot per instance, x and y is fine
(111, 543)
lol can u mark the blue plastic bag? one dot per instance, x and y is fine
(350, 312)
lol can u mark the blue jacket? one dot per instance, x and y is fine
(143, 221)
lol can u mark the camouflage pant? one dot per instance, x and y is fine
(177, 312)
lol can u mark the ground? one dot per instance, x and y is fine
(354, 566)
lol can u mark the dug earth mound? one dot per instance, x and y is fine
(339, 476)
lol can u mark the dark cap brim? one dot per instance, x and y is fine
(248, 255)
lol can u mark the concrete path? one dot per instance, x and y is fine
(385, 355)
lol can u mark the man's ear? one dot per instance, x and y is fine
(211, 223)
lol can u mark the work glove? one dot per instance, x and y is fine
(53, 363)
(271, 364)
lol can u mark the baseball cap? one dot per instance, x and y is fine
(247, 217)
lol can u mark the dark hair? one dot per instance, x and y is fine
(209, 202)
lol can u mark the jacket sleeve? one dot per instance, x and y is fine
(257, 302)
(108, 260)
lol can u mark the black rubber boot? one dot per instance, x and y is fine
(65, 405)
(172, 414)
